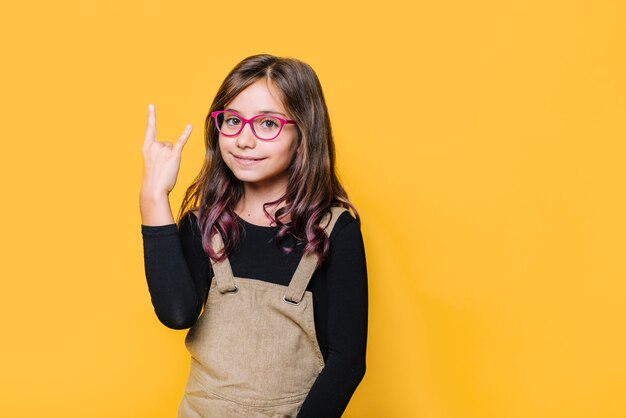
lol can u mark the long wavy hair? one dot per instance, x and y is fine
(313, 186)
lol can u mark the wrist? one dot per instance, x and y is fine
(149, 195)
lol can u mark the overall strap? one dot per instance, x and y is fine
(308, 262)
(221, 269)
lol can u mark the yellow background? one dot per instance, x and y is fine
(482, 142)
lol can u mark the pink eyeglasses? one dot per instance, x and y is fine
(265, 127)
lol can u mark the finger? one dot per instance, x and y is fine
(151, 126)
(182, 140)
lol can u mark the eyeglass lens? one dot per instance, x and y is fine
(264, 126)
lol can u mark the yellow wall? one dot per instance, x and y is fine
(482, 142)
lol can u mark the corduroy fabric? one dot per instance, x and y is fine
(254, 352)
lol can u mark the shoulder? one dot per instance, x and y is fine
(190, 215)
(189, 222)
(347, 249)
(346, 225)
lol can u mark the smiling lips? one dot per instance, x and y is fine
(246, 160)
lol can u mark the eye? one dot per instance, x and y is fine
(269, 123)
(232, 121)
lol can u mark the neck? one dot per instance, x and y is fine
(250, 207)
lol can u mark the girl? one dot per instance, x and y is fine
(265, 264)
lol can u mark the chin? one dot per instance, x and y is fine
(246, 176)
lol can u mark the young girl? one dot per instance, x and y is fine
(266, 265)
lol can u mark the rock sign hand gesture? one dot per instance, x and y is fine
(161, 165)
(161, 159)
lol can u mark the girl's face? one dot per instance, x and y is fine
(252, 160)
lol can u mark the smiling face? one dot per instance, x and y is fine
(254, 161)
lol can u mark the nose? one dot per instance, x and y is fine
(246, 138)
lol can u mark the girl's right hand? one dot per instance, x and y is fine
(161, 159)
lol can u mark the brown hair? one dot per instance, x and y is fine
(313, 186)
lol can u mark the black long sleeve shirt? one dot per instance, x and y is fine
(178, 272)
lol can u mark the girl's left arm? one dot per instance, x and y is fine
(347, 326)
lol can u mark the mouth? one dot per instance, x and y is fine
(246, 160)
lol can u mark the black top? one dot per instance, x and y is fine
(179, 275)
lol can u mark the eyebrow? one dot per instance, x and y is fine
(261, 112)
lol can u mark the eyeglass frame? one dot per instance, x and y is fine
(245, 121)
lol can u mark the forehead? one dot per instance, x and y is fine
(258, 97)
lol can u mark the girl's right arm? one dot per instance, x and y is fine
(175, 265)
(177, 271)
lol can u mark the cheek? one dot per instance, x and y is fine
(289, 150)
(222, 145)
(292, 156)
(224, 152)
(287, 155)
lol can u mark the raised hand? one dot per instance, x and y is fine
(161, 160)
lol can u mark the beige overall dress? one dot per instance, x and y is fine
(254, 352)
